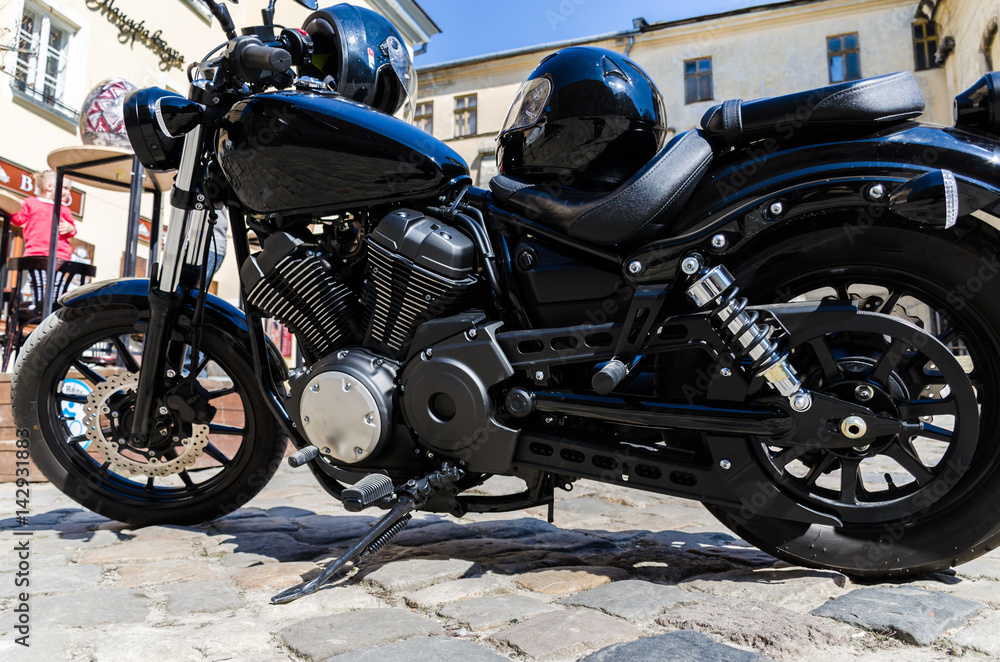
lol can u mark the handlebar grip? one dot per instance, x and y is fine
(265, 58)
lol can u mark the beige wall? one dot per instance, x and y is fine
(967, 21)
(762, 53)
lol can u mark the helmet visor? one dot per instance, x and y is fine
(528, 104)
(402, 65)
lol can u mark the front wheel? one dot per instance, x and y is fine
(212, 450)
(921, 503)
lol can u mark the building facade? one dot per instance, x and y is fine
(969, 38)
(53, 52)
(749, 53)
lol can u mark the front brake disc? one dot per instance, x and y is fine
(188, 449)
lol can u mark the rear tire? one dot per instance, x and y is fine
(950, 271)
(239, 459)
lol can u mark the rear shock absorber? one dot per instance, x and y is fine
(746, 338)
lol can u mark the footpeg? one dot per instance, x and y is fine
(608, 377)
(302, 457)
(409, 497)
(369, 491)
(611, 375)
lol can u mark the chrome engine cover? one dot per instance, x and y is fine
(345, 404)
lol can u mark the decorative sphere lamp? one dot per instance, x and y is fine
(102, 120)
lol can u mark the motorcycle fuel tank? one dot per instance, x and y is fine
(316, 153)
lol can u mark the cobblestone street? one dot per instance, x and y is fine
(621, 575)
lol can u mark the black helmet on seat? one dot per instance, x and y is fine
(365, 55)
(587, 118)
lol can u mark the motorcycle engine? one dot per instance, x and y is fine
(419, 269)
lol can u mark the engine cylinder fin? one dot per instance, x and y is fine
(300, 291)
(402, 295)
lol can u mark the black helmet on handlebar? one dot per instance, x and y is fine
(365, 55)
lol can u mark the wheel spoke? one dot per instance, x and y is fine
(831, 370)
(149, 484)
(908, 459)
(888, 361)
(201, 366)
(842, 292)
(849, 480)
(788, 455)
(88, 372)
(212, 395)
(929, 407)
(817, 469)
(947, 337)
(213, 451)
(225, 429)
(187, 479)
(124, 355)
(890, 302)
(76, 439)
(935, 432)
(77, 399)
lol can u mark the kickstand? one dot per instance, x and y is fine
(400, 513)
(409, 498)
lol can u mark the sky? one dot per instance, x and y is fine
(480, 27)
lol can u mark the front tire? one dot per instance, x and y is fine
(210, 470)
(922, 275)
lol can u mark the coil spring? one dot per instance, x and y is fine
(770, 352)
(389, 534)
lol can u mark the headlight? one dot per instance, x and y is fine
(156, 121)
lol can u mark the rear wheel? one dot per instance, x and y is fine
(74, 389)
(910, 503)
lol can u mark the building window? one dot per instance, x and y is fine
(845, 57)
(925, 45)
(698, 80)
(424, 117)
(42, 55)
(465, 116)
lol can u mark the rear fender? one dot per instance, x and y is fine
(769, 187)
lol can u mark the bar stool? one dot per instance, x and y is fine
(30, 275)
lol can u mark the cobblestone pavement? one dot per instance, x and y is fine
(622, 575)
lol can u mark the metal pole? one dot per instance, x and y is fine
(4, 251)
(154, 234)
(135, 203)
(50, 276)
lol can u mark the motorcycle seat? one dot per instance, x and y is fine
(857, 105)
(638, 207)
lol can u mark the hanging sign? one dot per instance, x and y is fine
(131, 31)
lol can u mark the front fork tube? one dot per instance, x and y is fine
(258, 342)
(186, 238)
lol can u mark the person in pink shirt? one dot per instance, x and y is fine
(36, 219)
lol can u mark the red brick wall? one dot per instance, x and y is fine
(8, 438)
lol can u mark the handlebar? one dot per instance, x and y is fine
(263, 58)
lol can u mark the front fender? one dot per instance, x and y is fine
(135, 292)
(737, 198)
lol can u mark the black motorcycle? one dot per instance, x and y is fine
(789, 314)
